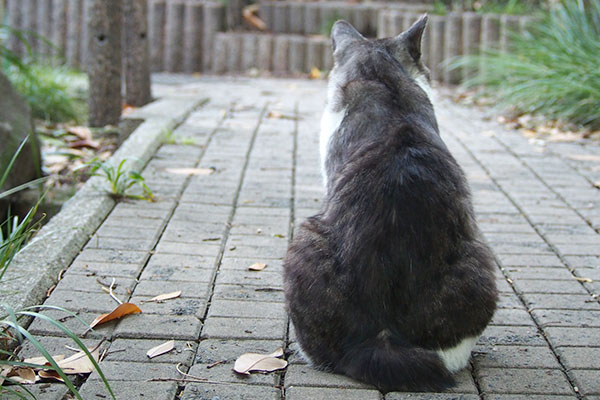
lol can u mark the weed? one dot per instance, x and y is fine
(169, 137)
(120, 179)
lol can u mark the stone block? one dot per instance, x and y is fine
(246, 309)
(243, 328)
(309, 393)
(228, 350)
(141, 390)
(514, 357)
(523, 381)
(134, 350)
(154, 326)
(196, 391)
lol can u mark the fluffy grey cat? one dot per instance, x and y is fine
(390, 283)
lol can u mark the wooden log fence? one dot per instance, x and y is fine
(207, 36)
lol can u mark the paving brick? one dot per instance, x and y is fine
(171, 273)
(134, 371)
(178, 306)
(509, 300)
(243, 292)
(229, 391)
(304, 375)
(200, 249)
(549, 286)
(588, 381)
(514, 357)
(188, 289)
(533, 260)
(243, 328)
(103, 242)
(44, 328)
(576, 318)
(523, 381)
(159, 260)
(528, 397)
(541, 273)
(561, 301)
(579, 357)
(259, 253)
(246, 309)
(94, 284)
(134, 350)
(512, 316)
(105, 269)
(236, 263)
(583, 261)
(57, 346)
(83, 301)
(154, 326)
(310, 393)
(430, 396)
(511, 335)
(46, 391)
(580, 336)
(223, 373)
(215, 350)
(113, 256)
(251, 278)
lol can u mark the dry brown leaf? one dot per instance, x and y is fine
(87, 143)
(42, 360)
(79, 363)
(23, 375)
(82, 132)
(161, 349)
(164, 296)
(259, 362)
(190, 171)
(249, 13)
(257, 267)
(50, 374)
(120, 311)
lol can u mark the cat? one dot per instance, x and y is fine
(390, 283)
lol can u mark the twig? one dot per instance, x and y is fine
(110, 291)
(209, 366)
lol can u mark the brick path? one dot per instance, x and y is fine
(536, 204)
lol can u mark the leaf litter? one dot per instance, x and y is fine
(119, 312)
(257, 267)
(161, 349)
(249, 362)
(162, 297)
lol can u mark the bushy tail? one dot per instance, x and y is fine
(390, 364)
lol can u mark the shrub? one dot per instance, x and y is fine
(552, 68)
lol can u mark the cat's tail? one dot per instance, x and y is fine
(388, 363)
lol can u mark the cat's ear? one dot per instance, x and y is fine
(413, 36)
(343, 33)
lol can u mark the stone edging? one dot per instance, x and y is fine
(35, 268)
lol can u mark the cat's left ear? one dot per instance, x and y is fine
(413, 36)
(343, 33)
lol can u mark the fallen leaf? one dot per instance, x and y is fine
(587, 280)
(259, 362)
(257, 267)
(82, 132)
(23, 375)
(164, 296)
(50, 374)
(120, 311)
(161, 349)
(249, 14)
(315, 73)
(42, 360)
(190, 171)
(79, 363)
(85, 143)
(597, 184)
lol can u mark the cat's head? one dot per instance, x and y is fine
(358, 58)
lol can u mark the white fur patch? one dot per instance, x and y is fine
(329, 123)
(423, 84)
(456, 358)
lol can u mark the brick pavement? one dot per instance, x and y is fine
(536, 205)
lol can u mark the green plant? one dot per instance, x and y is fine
(53, 93)
(169, 137)
(441, 7)
(120, 179)
(12, 333)
(327, 24)
(552, 69)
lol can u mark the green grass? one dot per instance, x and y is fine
(518, 7)
(552, 70)
(120, 179)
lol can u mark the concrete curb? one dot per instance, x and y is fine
(36, 267)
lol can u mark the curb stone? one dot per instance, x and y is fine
(35, 269)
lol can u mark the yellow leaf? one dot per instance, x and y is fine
(259, 362)
(161, 349)
(257, 267)
(315, 73)
(120, 311)
(164, 296)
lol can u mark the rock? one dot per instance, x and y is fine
(15, 125)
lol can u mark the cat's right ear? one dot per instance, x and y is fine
(343, 33)
(412, 37)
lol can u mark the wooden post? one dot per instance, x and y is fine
(136, 53)
(234, 49)
(312, 19)
(452, 49)
(471, 39)
(296, 17)
(297, 54)
(281, 17)
(30, 9)
(59, 28)
(156, 32)
(265, 52)
(436, 49)
(509, 25)
(265, 12)
(44, 15)
(281, 45)
(104, 61)
(249, 49)
(314, 54)
(193, 37)
(15, 21)
(213, 23)
(73, 50)
(174, 36)
(490, 36)
(219, 58)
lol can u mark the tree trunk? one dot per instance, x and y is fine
(137, 53)
(105, 18)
